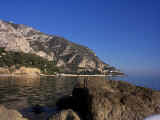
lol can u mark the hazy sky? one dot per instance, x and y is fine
(123, 33)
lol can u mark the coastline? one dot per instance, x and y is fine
(75, 75)
(19, 75)
(57, 75)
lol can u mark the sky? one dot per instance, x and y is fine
(123, 33)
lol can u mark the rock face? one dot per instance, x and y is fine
(4, 71)
(112, 100)
(71, 56)
(22, 70)
(65, 115)
(25, 70)
(6, 114)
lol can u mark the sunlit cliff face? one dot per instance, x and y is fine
(154, 117)
(21, 38)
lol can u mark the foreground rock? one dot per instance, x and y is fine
(7, 114)
(111, 100)
(65, 115)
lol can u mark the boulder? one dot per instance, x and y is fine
(8, 114)
(65, 115)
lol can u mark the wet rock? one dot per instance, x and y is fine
(8, 114)
(65, 115)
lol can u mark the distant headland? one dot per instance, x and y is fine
(23, 46)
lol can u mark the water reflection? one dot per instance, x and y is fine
(22, 92)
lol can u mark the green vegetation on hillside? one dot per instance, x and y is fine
(18, 59)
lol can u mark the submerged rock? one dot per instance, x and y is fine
(65, 115)
(113, 100)
(8, 114)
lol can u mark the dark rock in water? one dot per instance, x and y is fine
(37, 109)
(8, 114)
(113, 100)
(66, 102)
(78, 102)
(82, 101)
(65, 115)
(44, 113)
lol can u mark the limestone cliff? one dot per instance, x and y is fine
(70, 56)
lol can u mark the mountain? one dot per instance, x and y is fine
(70, 56)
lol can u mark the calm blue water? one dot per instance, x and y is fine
(144, 81)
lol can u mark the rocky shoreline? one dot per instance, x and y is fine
(76, 75)
(104, 100)
(111, 100)
(25, 71)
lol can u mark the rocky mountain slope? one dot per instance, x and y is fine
(66, 54)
